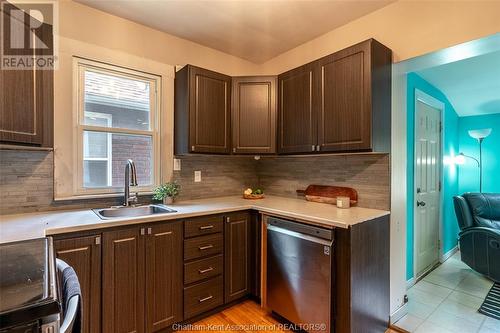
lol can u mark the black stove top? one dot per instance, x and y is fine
(27, 281)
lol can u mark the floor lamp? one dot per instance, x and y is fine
(479, 135)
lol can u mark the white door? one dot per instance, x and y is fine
(427, 186)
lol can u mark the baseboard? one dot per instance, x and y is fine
(447, 255)
(399, 313)
(410, 283)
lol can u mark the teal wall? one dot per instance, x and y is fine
(450, 171)
(469, 172)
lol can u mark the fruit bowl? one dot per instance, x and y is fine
(253, 196)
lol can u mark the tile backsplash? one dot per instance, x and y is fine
(369, 174)
(26, 178)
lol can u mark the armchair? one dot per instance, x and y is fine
(478, 216)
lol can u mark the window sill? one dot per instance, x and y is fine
(97, 196)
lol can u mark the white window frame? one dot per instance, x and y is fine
(109, 157)
(80, 65)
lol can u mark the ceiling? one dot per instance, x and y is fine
(472, 85)
(253, 30)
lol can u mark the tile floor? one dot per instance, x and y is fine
(447, 300)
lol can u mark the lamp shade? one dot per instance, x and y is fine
(480, 133)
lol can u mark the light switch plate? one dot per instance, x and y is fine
(177, 164)
(197, 176)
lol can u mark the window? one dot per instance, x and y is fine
(117, 121)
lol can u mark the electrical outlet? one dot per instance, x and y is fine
(177, 164)
(197, 176)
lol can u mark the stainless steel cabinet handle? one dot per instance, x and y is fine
(205, 227)
(206, 247)
(228, 219)
(203, 271)
(143, 231)
(98, 240)
(201, 300)
(313, 147)
(149, 231)
(420, 203)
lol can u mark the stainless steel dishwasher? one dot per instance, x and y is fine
(299, 273)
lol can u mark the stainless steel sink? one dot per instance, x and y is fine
(131, 211)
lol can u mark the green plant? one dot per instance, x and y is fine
(170, 189)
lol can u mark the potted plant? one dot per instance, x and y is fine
(166, 192)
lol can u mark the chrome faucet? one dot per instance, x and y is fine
(130, 180)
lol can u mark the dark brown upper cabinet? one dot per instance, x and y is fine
(254, 115)
(349, 102)
(202, 111)
(297, 129)
(84, 255)
(26, 101)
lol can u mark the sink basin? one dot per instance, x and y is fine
(133, 211)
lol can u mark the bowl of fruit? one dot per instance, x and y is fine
(253, 193)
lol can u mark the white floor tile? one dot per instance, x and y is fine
(425, 297)
(420, 309)
(409, 322)
(491, 324)
(453, 322)
(462, 311)
(476, 285)
(433, 288)
(466, 299)
(428, 327)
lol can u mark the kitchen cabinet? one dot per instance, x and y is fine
(339, 103)
(297, 125)
(26, 101)
(84, 255)
(237, 239)
(202, 111)
(142, 278)
(253, 115)
(163, 276)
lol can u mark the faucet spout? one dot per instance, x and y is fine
(130, 180)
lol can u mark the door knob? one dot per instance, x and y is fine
(420, 203)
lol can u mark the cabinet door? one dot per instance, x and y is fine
(345, 108)
(164, 269)
(209, 111)
(297, 116)
(84, 255)
(254, 115)
(123, 281)
(237, 256)
(26, 101)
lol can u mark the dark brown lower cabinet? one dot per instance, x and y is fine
(123, 281)
(142, 278)
(163, 276)
(84, 255)
(237, 239)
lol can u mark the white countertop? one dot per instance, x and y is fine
(33, 225)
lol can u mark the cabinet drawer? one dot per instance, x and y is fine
(203, 297)
(202, 226)
(203, 269)
(203, 246)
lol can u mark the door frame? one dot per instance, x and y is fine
(433, 102)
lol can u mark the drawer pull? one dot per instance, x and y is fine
(203, 271)
(206, 247)
(201, 300)
(206, 227)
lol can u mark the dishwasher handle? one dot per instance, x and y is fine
(313, 239)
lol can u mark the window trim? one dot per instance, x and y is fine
(79, 67)
(109, 158)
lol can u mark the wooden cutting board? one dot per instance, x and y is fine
(329, 194)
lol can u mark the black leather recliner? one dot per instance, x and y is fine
(478, 216)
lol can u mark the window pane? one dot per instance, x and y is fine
(116, 101)
(95, 173)
(99, 161)
(95, 144)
